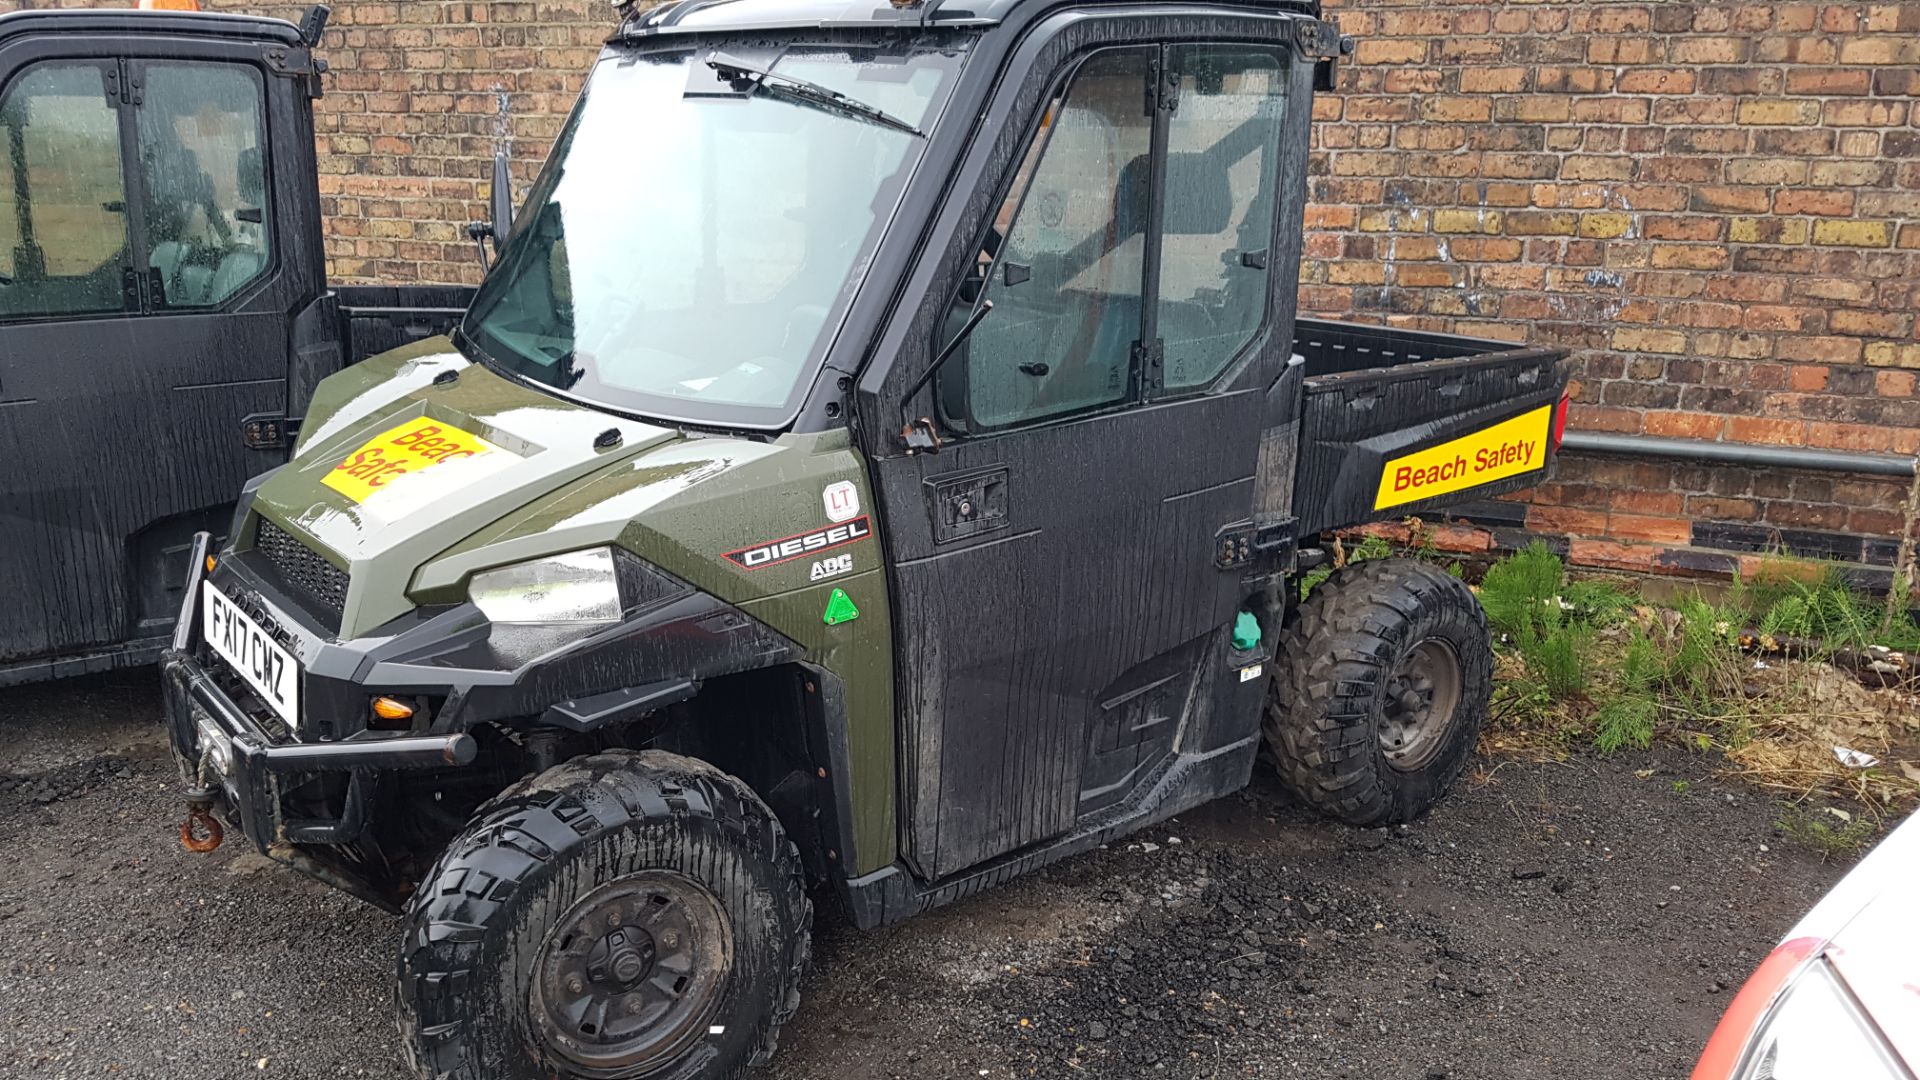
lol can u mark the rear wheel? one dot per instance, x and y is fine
(620, 917)
(1384, 680)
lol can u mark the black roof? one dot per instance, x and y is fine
(695, 16)
(147, 24)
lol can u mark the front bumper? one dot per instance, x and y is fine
(253, 767)
(222, 748)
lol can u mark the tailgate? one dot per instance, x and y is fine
(1398, 422)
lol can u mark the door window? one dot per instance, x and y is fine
(63, 221)
(203, 168)
(1070, 254)
(1223, 142)
(1066, 281)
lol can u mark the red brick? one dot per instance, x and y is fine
(1756, 429)
(1672, 530)
(1566, 520)
(1684, 425)
(1803, 201)
(1609, 555)
(1600, 418)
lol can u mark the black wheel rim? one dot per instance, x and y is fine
(1423, 698)
(631, 975)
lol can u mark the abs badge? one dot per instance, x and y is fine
(841, 499)
(788, 548)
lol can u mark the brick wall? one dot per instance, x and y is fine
(1716, 206)
(420, 96)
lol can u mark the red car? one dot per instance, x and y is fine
(1839, 998)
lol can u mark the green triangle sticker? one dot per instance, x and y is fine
(839, 609)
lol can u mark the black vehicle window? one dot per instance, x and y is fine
(1222, 144)
(63, 221)
(202, 162)
(1066, 281)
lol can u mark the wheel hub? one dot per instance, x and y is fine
(1422, 699)
(631, 975)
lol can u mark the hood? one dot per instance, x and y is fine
(420, 452)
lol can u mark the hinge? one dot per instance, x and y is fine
(288, 60)
(122, 86)
(1148, 358)
(296, 62)
(1273, 543)
(269, 431)
(1315, 38)
(1163, 86)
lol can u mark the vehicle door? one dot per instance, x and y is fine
(1063, 624)
(147, 288)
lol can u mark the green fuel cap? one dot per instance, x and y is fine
(840, 609)
(1246, 630)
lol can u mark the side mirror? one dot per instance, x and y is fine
(501, 200)
(500, 207)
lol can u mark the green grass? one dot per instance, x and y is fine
(1825, 832)
(1373, 547)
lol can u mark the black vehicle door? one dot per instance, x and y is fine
(1064, 628)
(148, 288)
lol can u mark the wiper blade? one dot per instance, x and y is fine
(728, 67)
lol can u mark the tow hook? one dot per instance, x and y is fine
(200, 816)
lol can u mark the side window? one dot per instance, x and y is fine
(1066, 280)
(63, 220)
(1222, 147)
(202, 142)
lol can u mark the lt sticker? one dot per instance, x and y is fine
(832, 566)
(842, 500)
(1508, 448)
(395, 459)
(786, 549)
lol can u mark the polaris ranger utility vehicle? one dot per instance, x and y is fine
(881, 459)
(164, 309)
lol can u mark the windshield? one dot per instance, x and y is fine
(699, 229)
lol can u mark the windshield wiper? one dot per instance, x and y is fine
(733, 69)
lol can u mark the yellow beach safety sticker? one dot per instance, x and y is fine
(1508, 448)
(406, 450)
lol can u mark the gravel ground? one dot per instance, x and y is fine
(1556, 921)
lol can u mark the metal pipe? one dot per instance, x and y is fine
(1785, 457)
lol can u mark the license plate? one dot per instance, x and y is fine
(259, 660)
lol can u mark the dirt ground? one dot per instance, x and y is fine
(1553, 921)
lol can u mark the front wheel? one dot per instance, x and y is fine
(626, 916)
(1385, 676)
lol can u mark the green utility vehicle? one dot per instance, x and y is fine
(879, 464)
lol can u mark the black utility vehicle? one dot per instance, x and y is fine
(164, 310)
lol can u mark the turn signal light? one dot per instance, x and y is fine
(211, 563)
(169, 5)
(387, 708)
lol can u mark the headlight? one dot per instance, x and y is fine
(578, 587)
(1816, 1031)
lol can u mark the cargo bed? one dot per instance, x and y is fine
(1398, 422)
